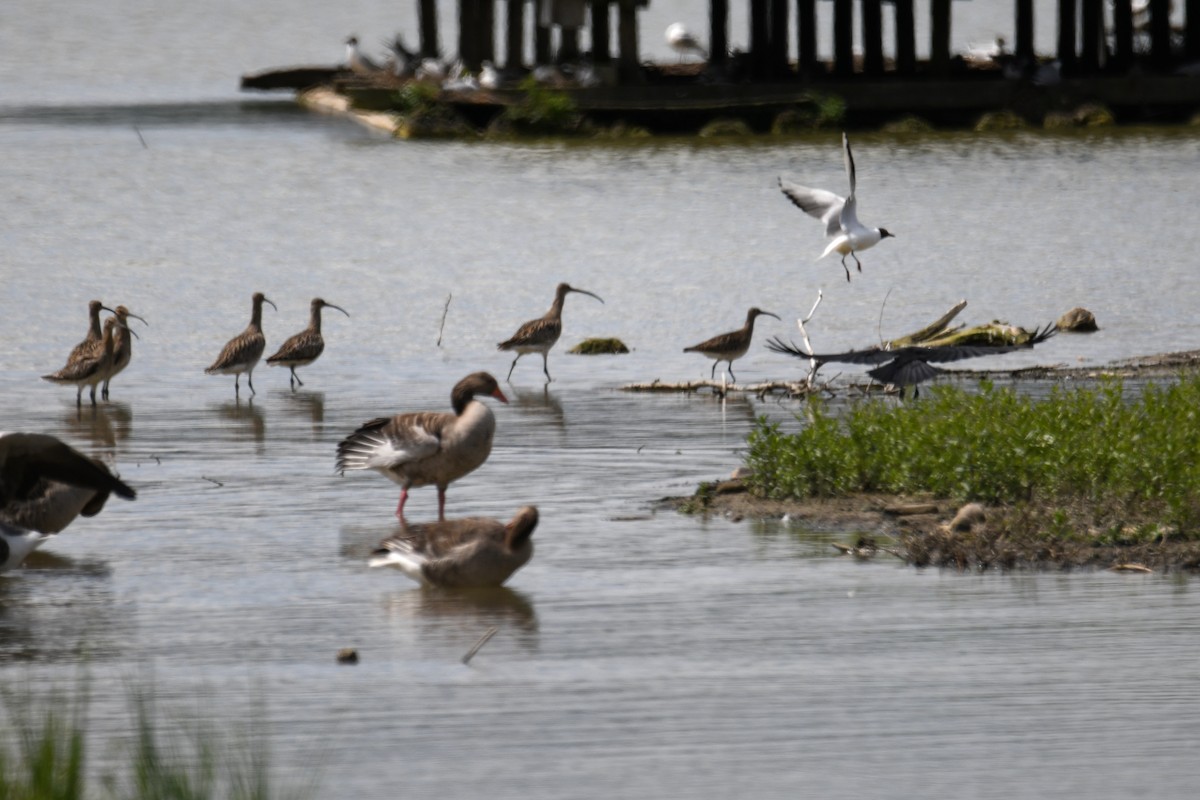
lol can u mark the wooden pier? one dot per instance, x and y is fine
(1137, 64)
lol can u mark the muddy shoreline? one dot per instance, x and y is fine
(920, 531)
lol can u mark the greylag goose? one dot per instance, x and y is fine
(428, 447)
(475, 551)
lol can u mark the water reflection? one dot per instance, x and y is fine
(81, 622)
(102, 425)
(249, 418)
(540, 403)
(470, 611)
(304, 403)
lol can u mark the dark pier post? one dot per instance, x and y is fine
(1066, 35)
(487, 31)
(1160, 34)
(427, 21)
(601, 33)
(568, 45)
(1024, 44)
(1122, 35)
(872, 36)
(906, 37)
(467, 27)
(779, 38)
(760, 39)
(806, 36)
(1191, 31)
(843, 37)
(1092, 29)
(542, 45)
(718, 33)
(939, 46)
(629, 63)
(514, 39)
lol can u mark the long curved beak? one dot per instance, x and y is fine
(265, 300)
(126, 327)
(109, 310)
(135, 316)
(590, 294)
(339, 308)
(769, 314)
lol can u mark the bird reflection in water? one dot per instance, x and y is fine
(101, 425)
(467, 612)
(541, 403)
(303, 403)
(250, 419)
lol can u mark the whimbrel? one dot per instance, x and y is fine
(539, 335)
(91, 342)
(44, 485)
(122, 347)
(846, 234)
(475, 551)
(909, 366)
(427, 447)
(729, 346)
(89, 370)
(242, 352)
(303, 348)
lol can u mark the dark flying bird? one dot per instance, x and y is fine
(909, 366)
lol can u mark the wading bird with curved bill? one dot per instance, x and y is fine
(846, 234)
(910, 366)
(729, 346)
(539, 335)
(90, 369)
(122, 347)
(242, 352)
(474, 551)
(44, 485)
(303, 348)
(428, 447)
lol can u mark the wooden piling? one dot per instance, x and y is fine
(872, 37)
(1160, 34)
(601, 32)
(843, 38)
(629, 62)
(1092, 30)
(718, 33)
(543, 46)
(939, 45)
(779, 39)
(1122, 58)
(1023, 49)
(760, 39)
(1191, 34)
(427, 22)
(514, 41)
(487, 31)
(1066, 35)
(806, 37)
(906, 37)
(568, 46)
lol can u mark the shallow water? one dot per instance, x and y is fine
(640, 651)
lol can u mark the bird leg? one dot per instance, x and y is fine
(79, 397)
(546, 368)
(93, 394)
(510, 369)
(400, 507)
(846, 268)
(731, 375)
(856, 261)
(104, 391)
(250, 380)
(236, 391)
(441, 504)
(712, 374)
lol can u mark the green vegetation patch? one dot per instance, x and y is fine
(599, 346)
(1091, 463)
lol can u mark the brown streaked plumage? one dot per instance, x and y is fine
(729, 346)
(427, 447)
(89, 370)
(91, 342)
(122, 347)
(303, 348)
(469, 552)
(539, 335)
(44, 485)
(242, 352)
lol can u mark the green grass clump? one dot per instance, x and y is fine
(1129, 461)
(598, 346)
(541, 112)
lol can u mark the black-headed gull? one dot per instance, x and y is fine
(846, 234)
(683, 42)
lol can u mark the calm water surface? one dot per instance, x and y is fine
(640, 652)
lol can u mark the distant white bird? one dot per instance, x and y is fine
(431, 69)
(683, 42)
(489, 76)
(846, 234)
(356, 60)
(402, 62)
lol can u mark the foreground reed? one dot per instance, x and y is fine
(1091, 462)
(43, 749)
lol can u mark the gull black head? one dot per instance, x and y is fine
(883, 234)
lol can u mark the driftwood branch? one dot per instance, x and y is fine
(813, 365)
(442, 327)
(931, 330)
(479, 644)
